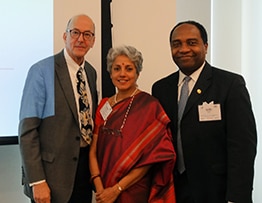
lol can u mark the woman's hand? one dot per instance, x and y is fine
(108, 195)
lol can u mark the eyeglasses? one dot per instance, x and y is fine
(75, 34)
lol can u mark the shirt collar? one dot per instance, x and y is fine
(70, 62)
(194, 76)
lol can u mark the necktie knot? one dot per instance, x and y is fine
(187, 79)
(79, 75)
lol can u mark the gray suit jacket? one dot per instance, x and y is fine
(49, 134)
(219, 155)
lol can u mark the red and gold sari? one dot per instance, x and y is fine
(144, 140)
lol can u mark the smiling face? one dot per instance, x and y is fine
(187, 48)
(78, 47)
(124, 74)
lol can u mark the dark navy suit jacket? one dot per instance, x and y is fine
(219, 155)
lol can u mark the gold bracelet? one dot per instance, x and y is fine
(119, 187)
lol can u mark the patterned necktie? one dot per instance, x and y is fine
(84, 107)
(181, 106)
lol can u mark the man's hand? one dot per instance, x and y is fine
(41, 193)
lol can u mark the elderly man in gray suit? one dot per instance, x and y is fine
(56, 119)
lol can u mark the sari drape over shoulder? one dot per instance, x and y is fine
(145, 139)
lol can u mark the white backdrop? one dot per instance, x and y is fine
(146, 25)
(26, 37)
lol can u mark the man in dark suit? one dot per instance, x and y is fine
(217, 129)
(54, 153)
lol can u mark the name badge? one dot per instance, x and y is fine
(209, 112)
(106, 110)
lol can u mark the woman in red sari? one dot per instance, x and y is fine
(131, 155)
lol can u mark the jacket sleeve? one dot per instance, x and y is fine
(35, 106)
(241, 143)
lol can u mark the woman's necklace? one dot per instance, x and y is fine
(127, 110)
(115, 100)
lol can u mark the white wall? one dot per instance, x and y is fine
(237, 44)
(146, 25)
(199, 10)
(251, 51)
(226, 34)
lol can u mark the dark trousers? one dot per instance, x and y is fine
(82, 192)
(182, 188)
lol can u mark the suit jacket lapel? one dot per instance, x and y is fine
(202, 84)
(91, 82)
(64, 80)
(171, 98)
